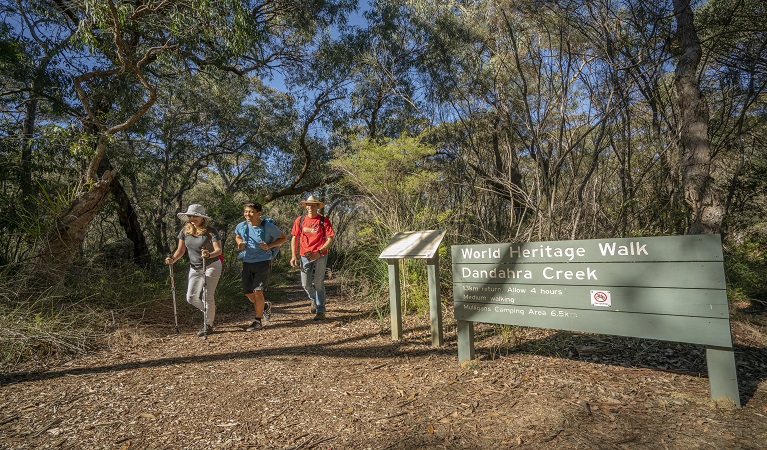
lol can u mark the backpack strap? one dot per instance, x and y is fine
(263, 230)
(322, 224)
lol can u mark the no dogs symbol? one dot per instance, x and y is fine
(600, 298)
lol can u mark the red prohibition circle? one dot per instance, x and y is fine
(600, 297)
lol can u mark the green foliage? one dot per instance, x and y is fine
(396, 178)
(48, 206)
(393, 175)
(746, 269)
(359, 269)
(393, 168)
(415, 289)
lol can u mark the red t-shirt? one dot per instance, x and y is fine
(312, 236)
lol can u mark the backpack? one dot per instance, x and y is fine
(221, 256)
(274, 250)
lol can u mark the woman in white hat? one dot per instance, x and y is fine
(202, 241)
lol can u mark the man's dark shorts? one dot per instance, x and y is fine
(255, 276)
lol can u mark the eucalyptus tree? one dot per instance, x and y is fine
(635, 185)
(734, 76)
(32, 74)
(642, 55)
(33, 98)
(379, 110)
(128, 46)
(524, 108)
(193, 123)
(385, 97)
(701, 191)
(582, 118)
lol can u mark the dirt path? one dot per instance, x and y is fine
(344, 384)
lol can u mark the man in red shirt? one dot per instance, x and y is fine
(312, 235)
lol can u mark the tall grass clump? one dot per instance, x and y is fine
(384, 181)
(35, 326)
(360, 273)
(78, 315)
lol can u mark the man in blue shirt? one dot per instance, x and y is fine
(257, 238)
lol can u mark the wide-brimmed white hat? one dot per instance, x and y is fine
(193, 210)
(312, 200)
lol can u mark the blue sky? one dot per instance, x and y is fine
(355, 19)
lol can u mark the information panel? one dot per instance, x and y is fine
(413, 244)
(669, 287)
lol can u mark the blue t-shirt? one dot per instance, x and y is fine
(253, 236)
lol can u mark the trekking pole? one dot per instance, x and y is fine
(204, 300)
(173, 293)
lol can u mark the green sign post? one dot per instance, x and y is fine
(668, 288)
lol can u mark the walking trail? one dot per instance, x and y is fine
(344, 384)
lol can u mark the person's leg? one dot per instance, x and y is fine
(256, 296)
(213, 275)
(319, 282)
(194, 289)
(258, 303)
(307, 278)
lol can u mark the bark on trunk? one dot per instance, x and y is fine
(701, 192)
(58, 249)
(65, 239)
(128, 217)
(27, 187)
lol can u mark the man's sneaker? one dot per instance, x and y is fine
(313, 307)
(256, 325)
(319, 316)
(267, 310)
(205, 330)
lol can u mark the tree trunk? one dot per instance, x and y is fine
(65, 239)
(128, 217)
(58, 249)
(701, 192)
(27, 187)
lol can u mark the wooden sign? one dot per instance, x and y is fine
(669, 288)
(413, 244)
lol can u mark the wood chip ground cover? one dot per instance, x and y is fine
(344, 384)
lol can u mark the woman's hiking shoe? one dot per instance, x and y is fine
(319, 316)
(205, 330)
(267, 310)
(313, 307)
(256, 325)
